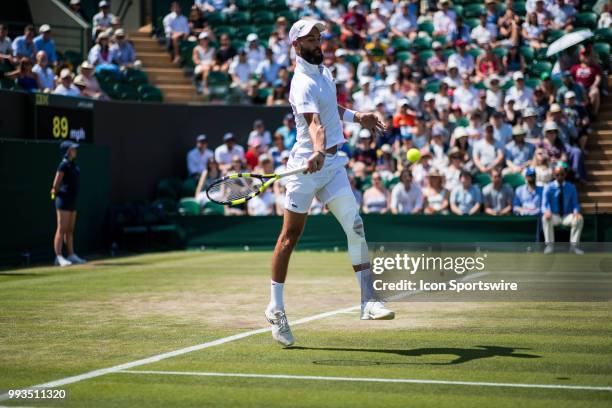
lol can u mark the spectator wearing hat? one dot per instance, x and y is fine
(466, 95)
(444, 18)
(240, 70)
(123, 50)
(377, 21)
(531, 31)
(567, 131)
(552, 143)
(364, 100)
(227, 151)
(344, 70)
(455, 163)
(66, 87)
(518, 152)
(521, 93)
(533, 129)
(81, 85)
(570, 85)
(497, 196)
(44, 42)
(75, 7)
(23, 46)
(24, 76)
(333, 10)
(562, 15)
(65, 191)
(364, 152)
(386, 164)
(354, 26)
(488, 153)
(46, 76)
(560, 207)
(541, 165)
(93, 88)
(465, 199)
(198, 157)
(101, 53)
(287, 131)
(311, 10)
(588, 75)
(462, 60)
(376, 199)
(435, 196)
(528, 197)
(484, 32)
(406, 196)
(255, 52)
(403, 23)
(578, 116)
(203, 56)
(176, 28)
(102, 20)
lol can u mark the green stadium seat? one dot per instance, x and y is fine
(218, 85)
(124, 92)
(603, 51)
(532, 82)
(587, 5)
(586, 19)
(527, 53)
(500, 51)
(432, 86)
(215, 19)
(239, 18)
(238, 44)
(538, 68)
(277, 5)
(463, 122)
(475, 52)
(480, 85)
(164, 204)
(471, 22)
(402, 56)
(514, 180)
(290, 15)
(507, 85)
(603, 34)
(458, 9)
(427, 26)
(354, 59)
(242, 4)
(392, 182)
(189, 187)
(135, 76)
(553, 35)
(229, 30)
(422, 43)
(263, 17)
(257, 5)
(7, 83)
(188, 206)
(150, 93)
(245, 30)
(400, 44)
(520, 8)
(211, 208)
(473, 10)
(448, 52)
(425, 55)
(264, 31)
(74, 58)
(482, 179)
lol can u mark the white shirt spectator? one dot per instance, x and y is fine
(342, 72)
(530, 6)
(174, 23)
(46, 76)
(96, 56)
(265, 138)
(313, 91)
(71, 91)
(223, 155)
(522, 98)
(241, 69)
(464, 64)
(444, 22)
(495, 99)
(451, 178)
(467, 98)
(263, 204)
(403, 23)
(280, 51)
(255, 56)
(363, 102)
(486, 152)
(406, 201)
(484, 35)
(197, 161)
(6, 46)
(102, 21)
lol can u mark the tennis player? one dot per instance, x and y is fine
(319, 136)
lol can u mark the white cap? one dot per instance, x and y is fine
(252, 37)
(518, 75)
(364, 134)
(65, 73)
(550, 126)
(429, 96)
(285, 154)
(451, 64)
(121, 33)
(353, 3)
(365, 80)
(436, 44)
(302, 27)
(202, 35)
(555, 107)
(44, 28)
(386, 148)
(264, 157)
(73, 2)
(340, 52)
(375, 5)
(460, 132)
(570, 94)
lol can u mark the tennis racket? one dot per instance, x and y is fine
(239, 188)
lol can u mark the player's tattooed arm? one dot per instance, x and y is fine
(316, 131)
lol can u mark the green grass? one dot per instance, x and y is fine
(55, 323)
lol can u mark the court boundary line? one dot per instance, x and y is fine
(368, 379)
(179, 352)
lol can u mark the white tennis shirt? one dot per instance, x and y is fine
(313, 91)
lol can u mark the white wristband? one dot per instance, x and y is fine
(349, 115)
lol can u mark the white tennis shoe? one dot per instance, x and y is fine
(281, 332)
(75, 259)
(61, 261)
(376, 311)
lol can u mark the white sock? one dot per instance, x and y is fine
(276, 296)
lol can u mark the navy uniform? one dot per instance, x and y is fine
(66, 195)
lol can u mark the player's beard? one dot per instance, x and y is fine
(314, 56)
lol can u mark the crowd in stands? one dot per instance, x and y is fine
(31, 62)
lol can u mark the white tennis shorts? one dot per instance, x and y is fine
(326, 184)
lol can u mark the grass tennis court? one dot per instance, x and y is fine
(59, 323)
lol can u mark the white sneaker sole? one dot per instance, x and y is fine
(385, 316)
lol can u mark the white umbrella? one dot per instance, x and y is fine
(568, 40)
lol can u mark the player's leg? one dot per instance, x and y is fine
(62, 225)
(72, 256)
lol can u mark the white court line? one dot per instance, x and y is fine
(379, 380)
(180, 352)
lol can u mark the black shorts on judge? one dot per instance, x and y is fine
(65, 203)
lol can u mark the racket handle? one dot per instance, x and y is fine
(294, 171)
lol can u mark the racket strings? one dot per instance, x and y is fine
(234, 189)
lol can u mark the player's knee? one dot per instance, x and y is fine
(358, 226)
(290, 237)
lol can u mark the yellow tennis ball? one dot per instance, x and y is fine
(413, 155)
